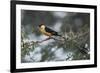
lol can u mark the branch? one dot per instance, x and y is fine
(43, 40)
(59, 39)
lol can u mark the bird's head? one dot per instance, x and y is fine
(42, 26)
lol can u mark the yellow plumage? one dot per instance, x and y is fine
(42, 30)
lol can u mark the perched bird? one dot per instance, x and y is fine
(47, 31)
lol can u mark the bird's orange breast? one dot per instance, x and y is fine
(44, 32)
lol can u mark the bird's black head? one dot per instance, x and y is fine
(41, 25)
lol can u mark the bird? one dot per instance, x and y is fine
(47, 31)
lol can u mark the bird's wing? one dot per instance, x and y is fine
(51, 31)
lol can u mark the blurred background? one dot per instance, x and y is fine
(75, 27)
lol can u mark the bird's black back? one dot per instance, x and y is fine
(51, 31)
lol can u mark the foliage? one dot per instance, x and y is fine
(75, 45)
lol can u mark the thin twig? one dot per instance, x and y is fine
(43, 40)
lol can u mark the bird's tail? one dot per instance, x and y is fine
(56, 34)
(61, 36)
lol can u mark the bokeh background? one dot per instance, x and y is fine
(75, 27)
